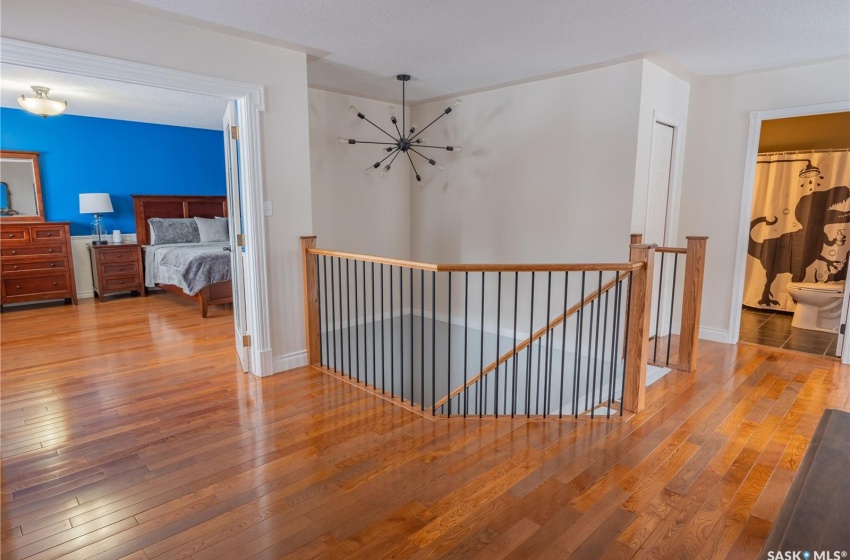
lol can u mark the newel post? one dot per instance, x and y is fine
(692, 303)
(634, 397)
(636, 239)
(311, 300)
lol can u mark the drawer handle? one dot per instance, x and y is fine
(120, 281)
(120, 268)
(17, 287)
(54, 283)
(49, 234)
(118, 255)
(50, 250)
(51, 265)
(14, 252)
(11, 235)
(15, 267)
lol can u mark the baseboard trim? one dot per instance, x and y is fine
(715, 335)
(289, 361)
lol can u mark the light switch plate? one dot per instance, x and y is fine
(267, 208)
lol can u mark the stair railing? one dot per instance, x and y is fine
(483, 339)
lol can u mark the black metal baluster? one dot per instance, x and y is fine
(383, 344)
(348, 314)
(449, 353)
(548, 346)
(658, 309)
(327, 325)
(365, 332)
(392, 337)
(356, 325)
(515, 372)
(612, 378)
(528, 349)
(579, 335)
(465, 343)
(626, 342)
(341, 339)
(498, 336)
(433, 342)
(374, 323)
(536, 378)
(604, 339)
(411, 337)
(672, 301)
(422, 338)
(482, 382)
(589, 356)
(563, 343)
(590, 403)
(401, 327)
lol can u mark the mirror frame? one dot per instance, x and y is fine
(33, 157)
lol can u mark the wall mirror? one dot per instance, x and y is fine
(20, 187)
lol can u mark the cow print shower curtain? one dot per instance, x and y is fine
(799, 226)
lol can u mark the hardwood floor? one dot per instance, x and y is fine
(129, 431)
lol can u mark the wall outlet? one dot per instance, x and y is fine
(267, 208)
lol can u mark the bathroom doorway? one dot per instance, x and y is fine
(799, 235)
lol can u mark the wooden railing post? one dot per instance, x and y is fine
(311, 300)
(634, 397)
(636, 239)
(692, 303)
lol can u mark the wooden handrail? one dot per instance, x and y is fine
(582, 267)
(537, 334)
(678, 250)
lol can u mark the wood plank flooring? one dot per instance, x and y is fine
(129, 431)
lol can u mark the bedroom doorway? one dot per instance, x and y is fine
(254, 286)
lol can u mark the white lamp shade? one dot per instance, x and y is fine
(95, 203)
(42, 107)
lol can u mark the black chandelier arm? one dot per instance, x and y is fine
(435, 147)
(378, 127)
(379, 143)
(395, 155)
(395, 122)
(418, 177)
(443, 114)
(388, 156)
(423, 156)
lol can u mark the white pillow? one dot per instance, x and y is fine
(212, 230)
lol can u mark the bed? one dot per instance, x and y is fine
(192, 270)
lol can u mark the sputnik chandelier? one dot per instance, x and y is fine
(402, 142)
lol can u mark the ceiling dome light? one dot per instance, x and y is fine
(41, 104)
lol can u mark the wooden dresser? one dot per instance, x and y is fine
(117, 268)
(36, 262)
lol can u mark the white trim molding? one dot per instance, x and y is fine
(289, 361)
(251, 101)
(756, 118)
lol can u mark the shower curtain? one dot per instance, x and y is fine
(799, 226)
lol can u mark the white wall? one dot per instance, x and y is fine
(663, 96)
(718, 125)
(353, 211)
(546, 173)
(105, 29)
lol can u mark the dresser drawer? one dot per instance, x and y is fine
(121, 283)
(30, 250)
(11, 234)
(14, 266)
(118, 255)
(47, 233)
(43, 285)
(120, 269)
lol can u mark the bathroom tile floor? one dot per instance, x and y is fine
(773, 328)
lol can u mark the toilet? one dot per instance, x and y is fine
(818, 305)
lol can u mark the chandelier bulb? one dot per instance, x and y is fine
(441, 167)
(385, 170)
(369, 170)
(457, 103)
(391, 110)
(454, 148)
(353, 110)
(421, 141)
(342, 140)
(413, 128)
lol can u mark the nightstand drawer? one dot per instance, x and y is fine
(43, 285)
(29, 250)
(15, 233)
(47, 233)
(116, 255)
(22, 266)
(120, 269)
(121, 283)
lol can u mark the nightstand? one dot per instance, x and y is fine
(117, 268)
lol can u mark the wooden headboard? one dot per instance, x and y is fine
(174, 206)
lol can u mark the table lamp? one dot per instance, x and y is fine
(97, 204)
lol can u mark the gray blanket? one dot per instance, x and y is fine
(191, 266)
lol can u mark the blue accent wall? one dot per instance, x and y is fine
(88, 155)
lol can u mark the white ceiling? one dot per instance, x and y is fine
(93, 97)
(454, 46)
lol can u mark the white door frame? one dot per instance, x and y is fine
(756, 118)
(251, 103)
(674, 194)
